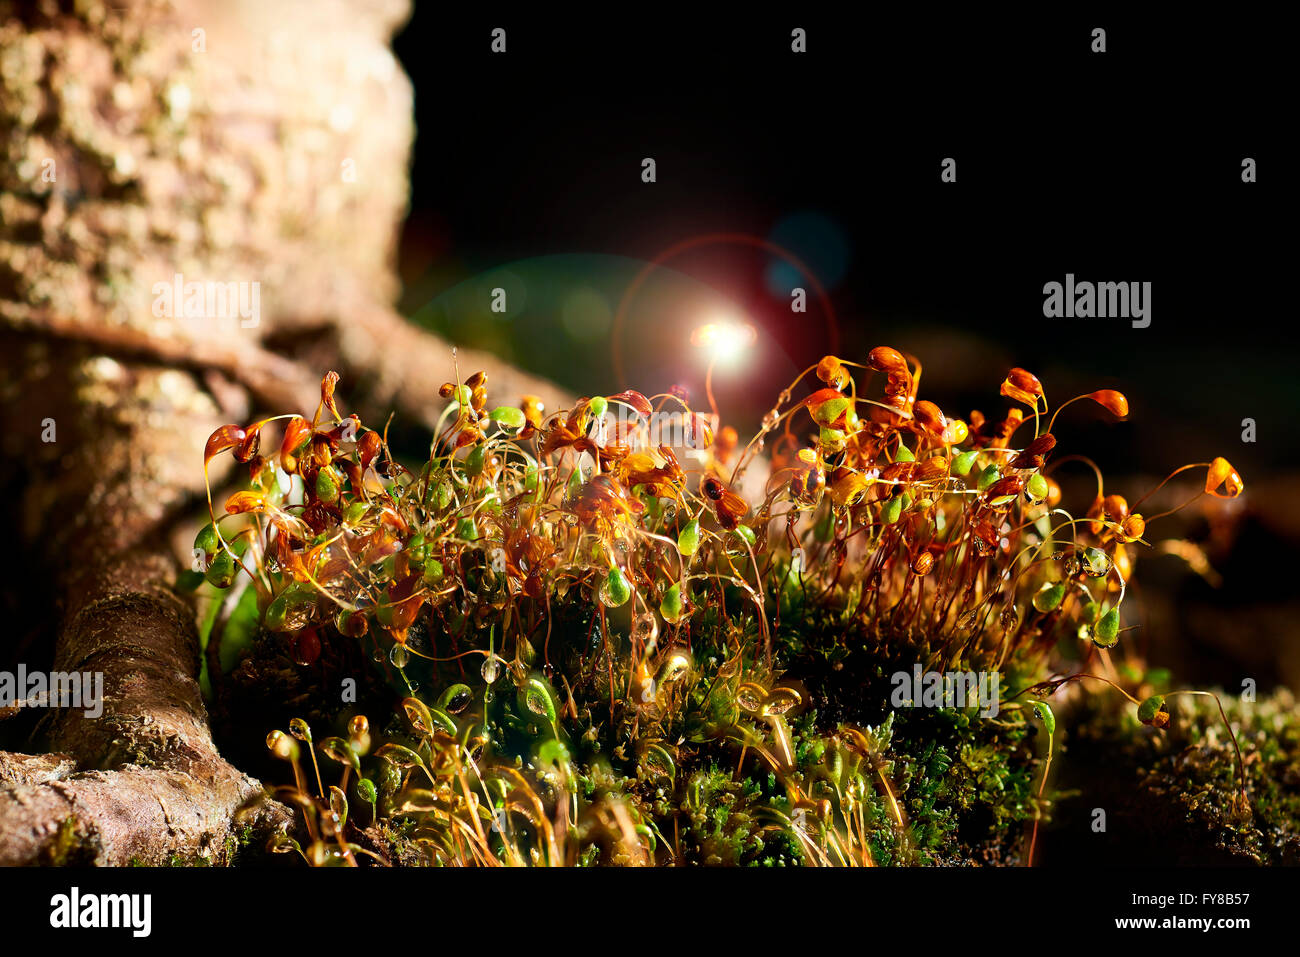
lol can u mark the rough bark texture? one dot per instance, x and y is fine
(227, 142)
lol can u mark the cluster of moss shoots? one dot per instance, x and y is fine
(669, 729)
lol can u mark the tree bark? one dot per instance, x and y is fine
(143, 140)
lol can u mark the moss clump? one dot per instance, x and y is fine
(604, 657)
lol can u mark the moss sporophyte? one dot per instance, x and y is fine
(669, 671)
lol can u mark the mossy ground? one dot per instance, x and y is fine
(1169, 796)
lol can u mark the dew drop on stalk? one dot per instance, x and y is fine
(491, 668)
(398, 656)
(1008, 617)
(645, 629)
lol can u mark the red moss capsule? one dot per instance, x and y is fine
(368, 448)
(699, 433)
(831, 371)
(1115, 508)
(1222, 480)
(327, 385)
(246, 501)
(1114, 402)
(252, 442)
(1133, 528)
(1031, 457)
(922, 564)
(295, 434)
(887, 359)
(932, 469)
(603, 498)
(635, 399)
(1004, 491)
(1023, 386)
(306, 647)
(533, 408)
(929, 417)
(224, 438)
(727, 505)
(900, 472)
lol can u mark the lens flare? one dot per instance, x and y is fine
(724, 340)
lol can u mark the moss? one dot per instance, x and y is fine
(753, 720)
(70, 846)
(1172, 792)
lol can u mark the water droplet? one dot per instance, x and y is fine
(398, 656)
(491, 669)
(750, 697)
(770, 420)
(781, 700)
(645, 629)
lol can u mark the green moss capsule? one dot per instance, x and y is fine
(598, 407)
(617, 589)
(277, 613)
(961, 464)
(904, 455)
(467, 530)
(327, 485)
(207, 540)
(476, 459)
(508, 416)
(536, 697)
(1153, 712)
(432, 571)
(833, 438)
(1049, 596)
(688, 539)
(988, 476)
(672, 606)
(828, 412)
(1036, 487)
(893, 510)
(1107, 630)
(221, 572)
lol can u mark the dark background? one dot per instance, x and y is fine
(1122, 166)
(1119, 166)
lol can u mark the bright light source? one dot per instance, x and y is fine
(724, 340)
